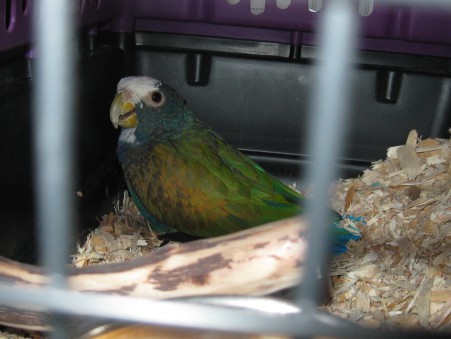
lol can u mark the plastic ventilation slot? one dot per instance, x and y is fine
(283, 4)
(366, 7)
(257, 7)
(11, 12)
(315, 5)
(9, 17)
(24, 6)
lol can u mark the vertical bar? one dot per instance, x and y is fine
(53, 125)
(53, 132)
(329, 108)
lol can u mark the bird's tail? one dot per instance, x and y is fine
(341, 234)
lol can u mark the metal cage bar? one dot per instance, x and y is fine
(55, 89)
(329, 106)
(54, 126)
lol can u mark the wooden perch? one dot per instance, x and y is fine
(257, 261)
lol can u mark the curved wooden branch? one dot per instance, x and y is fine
(257, 261)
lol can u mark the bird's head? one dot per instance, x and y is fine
(152, 108)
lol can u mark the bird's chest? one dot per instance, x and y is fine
(157, 174)
(170, 184)
(144, 164)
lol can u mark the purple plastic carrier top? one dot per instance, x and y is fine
(388, 29)
(16, 18)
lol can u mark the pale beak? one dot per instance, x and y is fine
(123, 113)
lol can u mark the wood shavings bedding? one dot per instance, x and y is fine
(121, 236)
(398, 274)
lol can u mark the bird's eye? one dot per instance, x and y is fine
(157, 97)
(154, 99)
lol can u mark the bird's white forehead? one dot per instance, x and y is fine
(136, 88)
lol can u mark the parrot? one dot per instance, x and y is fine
(183, 176)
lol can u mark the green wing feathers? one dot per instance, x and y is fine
(202, 186)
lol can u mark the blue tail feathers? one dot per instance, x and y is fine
(342, 234)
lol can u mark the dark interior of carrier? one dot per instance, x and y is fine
(244, 67)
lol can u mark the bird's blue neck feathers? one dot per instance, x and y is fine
(155, 128)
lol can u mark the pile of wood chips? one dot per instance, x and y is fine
(396, 276)
(121, 236)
